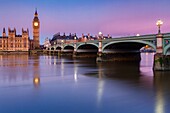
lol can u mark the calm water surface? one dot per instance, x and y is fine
(50, 84)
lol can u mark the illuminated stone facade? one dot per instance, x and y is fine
(14, 42)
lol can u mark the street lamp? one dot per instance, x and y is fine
(159, 23)
(137, 34)
(62, 41)
(75, 39)
(100, 33)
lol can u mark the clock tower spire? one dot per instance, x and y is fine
(36, 31)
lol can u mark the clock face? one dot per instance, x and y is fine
(35, 23)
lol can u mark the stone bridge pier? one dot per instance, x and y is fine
(99, 54)
(161, 60)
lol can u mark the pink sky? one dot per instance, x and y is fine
(114, 17)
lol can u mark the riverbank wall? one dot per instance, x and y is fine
(161, 62)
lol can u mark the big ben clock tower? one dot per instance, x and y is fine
(36, 31)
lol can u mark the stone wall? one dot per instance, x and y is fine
(161, 62)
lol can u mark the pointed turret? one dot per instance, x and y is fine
(3, 30)
(28, 31)
(36, 13)
(14, 29)
(22, 30)
(4, 33)
(9, 30)
(64, 34)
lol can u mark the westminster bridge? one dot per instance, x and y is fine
(121, 47)
(113, 45)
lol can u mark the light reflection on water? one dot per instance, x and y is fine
(51, 84)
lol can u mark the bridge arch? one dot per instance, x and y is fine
(166, 49)
(84, 44)
(58, 48)
(68, 47)
(129, 41)
(52, 48)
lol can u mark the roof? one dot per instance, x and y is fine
(64, 37)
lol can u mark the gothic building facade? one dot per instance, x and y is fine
(14, 42)
(11, 41)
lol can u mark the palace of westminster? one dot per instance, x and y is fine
(14, 42)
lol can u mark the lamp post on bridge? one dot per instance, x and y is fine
(159, 23)
(159, 38)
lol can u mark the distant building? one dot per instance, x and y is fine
(71, 38)
(46, 43)
(59, 39)
(15, 42)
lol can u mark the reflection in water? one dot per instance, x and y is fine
(36, 71)
(161, 83)
(100, 91)
(75, 72)
(36, 81)
(55, 61)
(100, 70)
(62, 67)
(147, 63)
(112, 87)
(160, 103)
(14, 68)
(124, 70)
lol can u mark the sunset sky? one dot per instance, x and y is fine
(114, 17)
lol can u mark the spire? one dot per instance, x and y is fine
(36, 13)
(3, 30)
(14, 29)
(9, 30)
(22, 30)
(4, 33)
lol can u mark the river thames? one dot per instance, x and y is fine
(51, 84)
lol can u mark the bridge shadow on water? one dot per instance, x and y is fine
(116, 69)
(120, 69)
(109, 69)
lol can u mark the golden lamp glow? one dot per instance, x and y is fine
(159, 22)
(36, 80)
(35, 23)
(146, 46)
